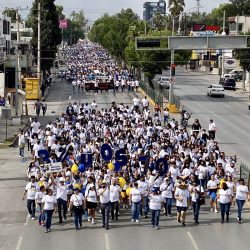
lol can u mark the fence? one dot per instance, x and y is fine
(152, 93)
(245, 173)
(159, 94)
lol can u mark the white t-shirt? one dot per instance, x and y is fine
(225, 195)
(39, 196)
(155, 202)
(144, 102)
(91, 195)
(104, 195)
(241, 192)
(194, 193)
(49, 201)
(143, 186)
(35, 127)
(212, 184)
(136, 101)
(167, 190)
(135, 194)
(114, 193)
(31, 189)
(61, 192)
(183, 194)
(77, 199)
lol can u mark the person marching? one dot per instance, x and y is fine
(76, 204)
(155, 202)
(181, 195)
(91, 201)
(115, 192)
(49, 206)
(31, 188)
(241, 197)
(104, 194)
(135, 198)
(225, 200)
(197, 192)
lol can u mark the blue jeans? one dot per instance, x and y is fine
(136, 207)
(21, 152)
(62, 203)
(145, 205)
(48, 217)
(155, 216)
(168, 205)
(105, 209)
(78, 218)
(31, 205)
(114, 210)
(41, 214)
(196, 210)
(240, 204)
(224, 209)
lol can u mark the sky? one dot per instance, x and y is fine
(95, 8)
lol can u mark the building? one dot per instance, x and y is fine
(239, 25)
(5, 45)
(151, 8)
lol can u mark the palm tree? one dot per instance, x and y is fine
(176, 7)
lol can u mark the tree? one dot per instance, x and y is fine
(12, 14)
(111, 31)
(50, 32)
(59, 10)
(76, 27)
(176, 7)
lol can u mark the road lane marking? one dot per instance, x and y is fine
(19, 243)
(107, 241)
(192, 241)
(27, 220)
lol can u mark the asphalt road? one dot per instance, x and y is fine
(230, 114)
(17, 232)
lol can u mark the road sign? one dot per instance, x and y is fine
(192, 43)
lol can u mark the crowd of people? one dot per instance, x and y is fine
(166, 164)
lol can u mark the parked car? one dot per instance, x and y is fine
(234, 74)
(164, 81)
(215, 90)
(228, 83)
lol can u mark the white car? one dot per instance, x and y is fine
(164, 81)
(215, 90)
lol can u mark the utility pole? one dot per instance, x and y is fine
(198, 7)
(39, 45)
(18, 69)
(171, 87)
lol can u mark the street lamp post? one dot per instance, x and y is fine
(171, 87)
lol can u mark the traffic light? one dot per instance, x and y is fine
(173, 70)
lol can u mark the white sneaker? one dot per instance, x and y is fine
(137, 221)
(216, 211)
(89, 219)
(33, 218)
(211, 210)
(133, 220)
(93, 222)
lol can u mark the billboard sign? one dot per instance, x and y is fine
(205, 30)
(63, 24)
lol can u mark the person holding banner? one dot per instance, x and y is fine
(61, 197)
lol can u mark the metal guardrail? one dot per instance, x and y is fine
(158, 94)
(245, 173)
(152, 93)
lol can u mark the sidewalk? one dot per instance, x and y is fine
(12, 130)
